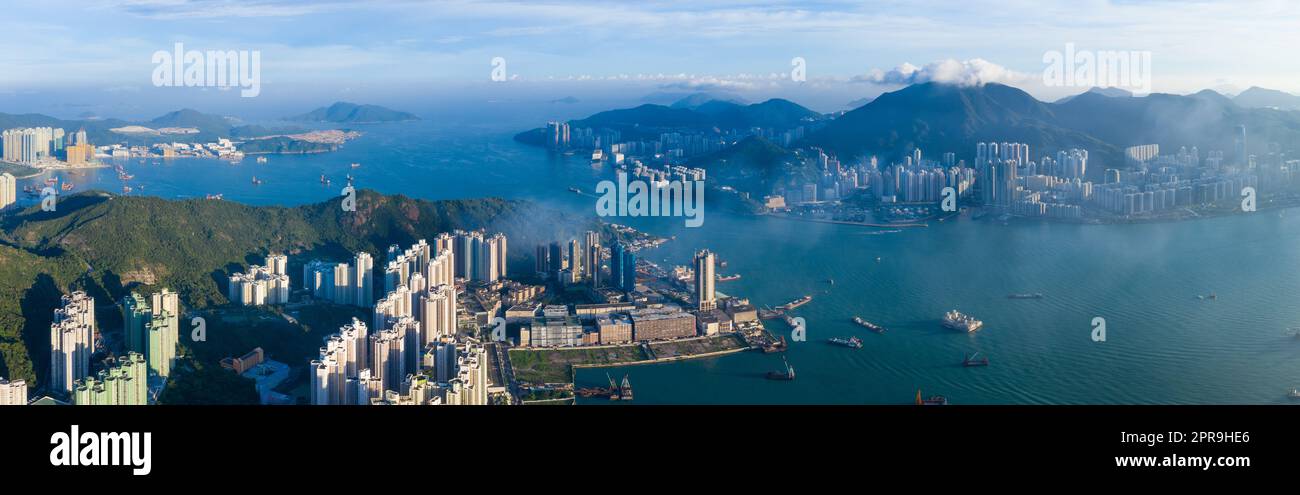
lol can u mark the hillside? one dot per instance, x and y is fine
(351, 113)
(109, 245)
(939, 118)
(648, 120)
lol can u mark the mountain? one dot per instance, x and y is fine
(695, 100)
(1257, 97)
(100, 131)
(351, 113)
(938, 118)
(1111, 92)
(209, 124)
(649, 120)
(859, 102)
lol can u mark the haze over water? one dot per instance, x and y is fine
(1164, 345)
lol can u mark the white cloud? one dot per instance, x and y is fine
(973, 72)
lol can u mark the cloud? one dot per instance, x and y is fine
(710, 83)
(973, 72)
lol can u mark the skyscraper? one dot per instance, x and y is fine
(8, 190)
(591, 255)
(72, 341)
(364, 279)
(705, 296)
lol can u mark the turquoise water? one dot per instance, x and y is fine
(1164, 345)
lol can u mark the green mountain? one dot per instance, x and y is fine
(109, 245)
(215, 125)
(648, 120)
(352, 113)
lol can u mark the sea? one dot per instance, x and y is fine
(1166, 341)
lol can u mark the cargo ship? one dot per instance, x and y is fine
(868, 325)
(770, 314)
(787, 375)
(852, 342)
(971, 361)
(796, 303)
(957, 321)
(1035, 295)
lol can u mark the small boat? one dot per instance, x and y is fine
(256, 181)
(851, 342)
(67, 186)
(214, 196)
(868, 325)
(1036, 295)
(787, 375)
(728, 278)
(934, 400)
(261, 159)
(971, 361)
(126, 189)
(51, 181)
(1295, 393)
(575, 190)
(356, 165)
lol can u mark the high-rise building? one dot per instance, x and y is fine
(576, 258)
(152, 328)
(261, 284)
(124, 383)
(8, 190)
(340, 282)
(343, 357)
(29, 145)
(72, 341)
(622, 268)
(557, 135)
(364, 279)
(705, 296)
(13, 393)
(591, 258)
(438, 313)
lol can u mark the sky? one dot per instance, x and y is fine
(95, 56)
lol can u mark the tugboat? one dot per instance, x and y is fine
(787, 375)
(957, 321)
(934, 400)
(970, 361)
(852, 342)
(868, 325)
